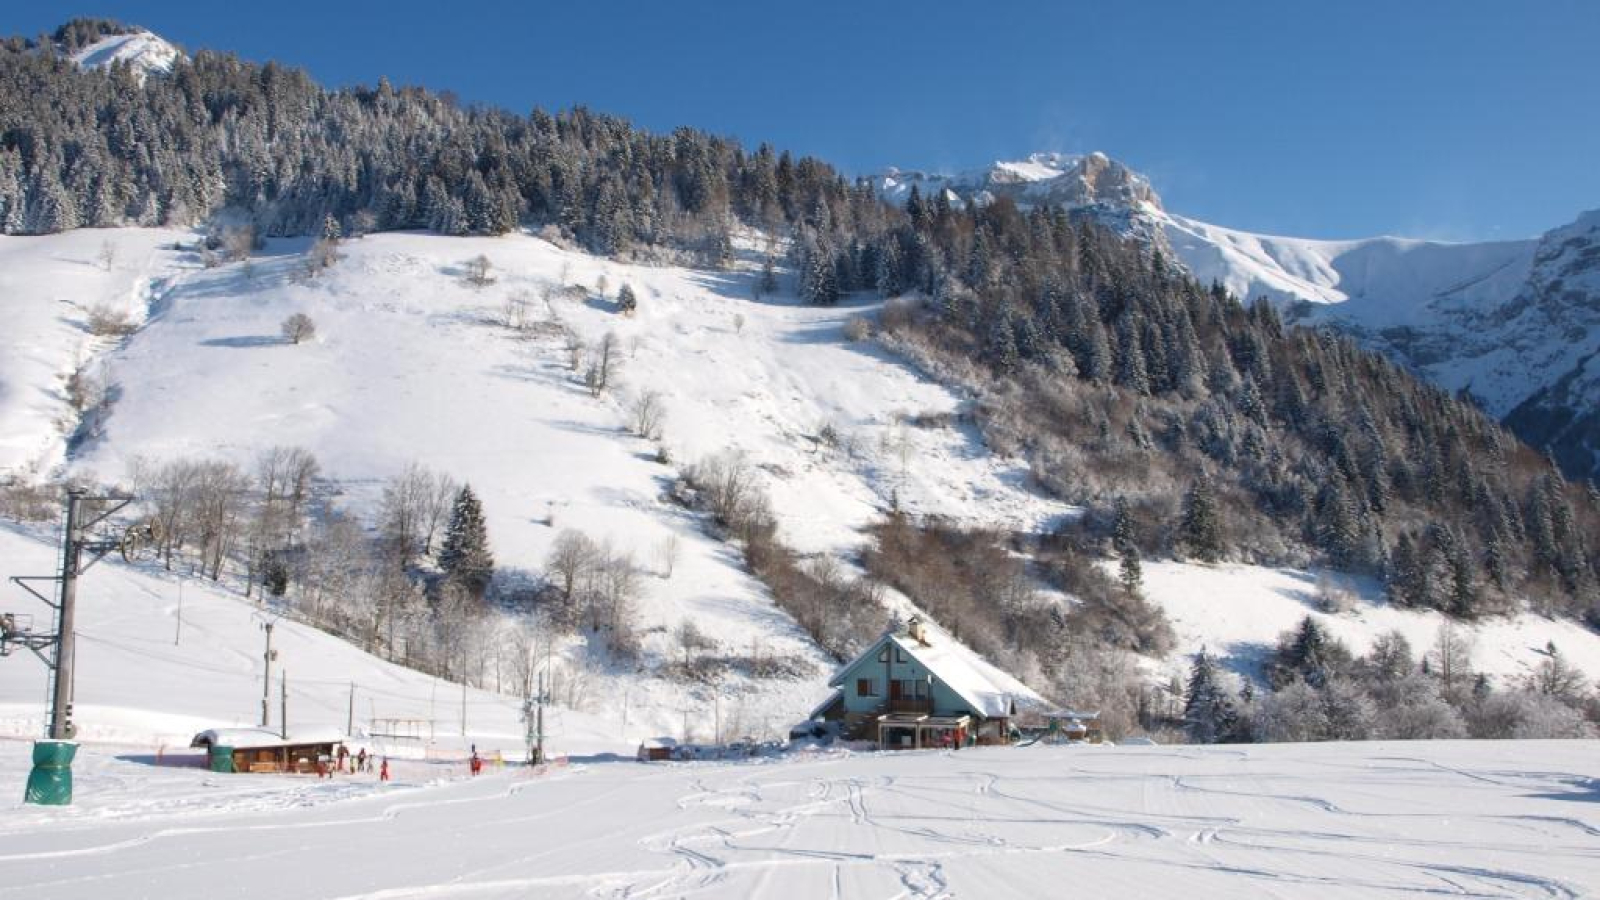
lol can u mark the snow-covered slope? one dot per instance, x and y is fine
(410, 364)
(144, 51)
(1238, 612)
(49, 286)
(161, 657)
(1516, 323)
(1503, 320)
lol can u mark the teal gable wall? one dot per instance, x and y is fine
(902, 667)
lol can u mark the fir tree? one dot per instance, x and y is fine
(465, 556)
(1131, 572)
(1401, 573)
(627, 301)
(1209, 716)
(1201, 530)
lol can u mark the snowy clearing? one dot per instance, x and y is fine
(1333, 820)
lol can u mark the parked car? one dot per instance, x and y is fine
(818, 730)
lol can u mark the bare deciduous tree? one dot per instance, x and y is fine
(238, 241)
(437, 508)
(669, 551)
(517, 309)
(107, 255)
(603, 367)
(648, 411)
(576, 350)
(572, 557)
(479, 271)
(321, 257)
(220, 489)
(299, 327)
(1451, 659)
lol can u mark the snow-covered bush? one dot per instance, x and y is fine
(108, 321)
(1526, 714)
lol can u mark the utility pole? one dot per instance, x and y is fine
(177, 634)
(266, 677)
(463, 704)
(283, 715)
(350, 715)
(61, 728)
(50, 782)
(538, 748)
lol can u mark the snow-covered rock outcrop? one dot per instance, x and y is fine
(145, 51)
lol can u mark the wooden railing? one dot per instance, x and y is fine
(910, 705)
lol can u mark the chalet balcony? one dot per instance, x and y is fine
(922, 705)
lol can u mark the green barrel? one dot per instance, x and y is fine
(50, 782)
(221, 759)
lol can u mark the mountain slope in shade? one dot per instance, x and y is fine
(1515, 323)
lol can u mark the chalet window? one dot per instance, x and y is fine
(913, 689)
(899, 655)
(866, 687)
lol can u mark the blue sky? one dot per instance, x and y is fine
(1453, 119)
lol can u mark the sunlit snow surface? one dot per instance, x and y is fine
(143, 51)
(1336, 820)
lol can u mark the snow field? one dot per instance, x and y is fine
(1333, 820)
(1238, 613)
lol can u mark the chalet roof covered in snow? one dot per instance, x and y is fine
(989, 691)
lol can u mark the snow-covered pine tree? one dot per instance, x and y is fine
(627, 301)
(465, 556)
(1209, 716)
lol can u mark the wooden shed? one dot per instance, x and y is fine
(261, 750)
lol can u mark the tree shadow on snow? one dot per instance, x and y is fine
(1584, 790)
(245, 341)
(166, 760)
(1246, 660)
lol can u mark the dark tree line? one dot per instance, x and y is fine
(95, 149)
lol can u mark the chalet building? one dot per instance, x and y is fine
(917, 687)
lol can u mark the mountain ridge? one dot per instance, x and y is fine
(1511, 322)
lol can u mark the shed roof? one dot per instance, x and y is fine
(821, 709)
(256, 738)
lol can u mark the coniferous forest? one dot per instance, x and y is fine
(1217, 429)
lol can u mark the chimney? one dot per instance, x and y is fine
(915, 629)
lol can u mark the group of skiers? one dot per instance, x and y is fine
(342, 760)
